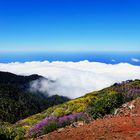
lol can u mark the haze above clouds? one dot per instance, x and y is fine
(73, 79)
(135, 60)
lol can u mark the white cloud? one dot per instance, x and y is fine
(135, 60)
(74, 79)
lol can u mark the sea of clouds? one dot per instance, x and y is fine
(73, 79)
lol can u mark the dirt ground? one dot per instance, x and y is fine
(124, 125)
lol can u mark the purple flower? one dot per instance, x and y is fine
(61, 122)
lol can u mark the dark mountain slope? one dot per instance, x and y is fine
(19, 81)
(16, 102)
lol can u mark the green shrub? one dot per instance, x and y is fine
(51, 126)
(105, 104)
(10, 132)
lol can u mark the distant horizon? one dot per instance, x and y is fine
(102, 57)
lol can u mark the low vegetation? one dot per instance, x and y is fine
(50, 124)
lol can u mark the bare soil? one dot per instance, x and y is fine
(124, 125)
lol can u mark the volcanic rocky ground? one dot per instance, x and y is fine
(123, 125)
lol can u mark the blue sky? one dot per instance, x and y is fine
(69, 25)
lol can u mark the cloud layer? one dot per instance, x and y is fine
(74, 79)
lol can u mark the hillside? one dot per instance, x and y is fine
(17, 102)
(89, 107)
(130, 89)
(124, 125)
